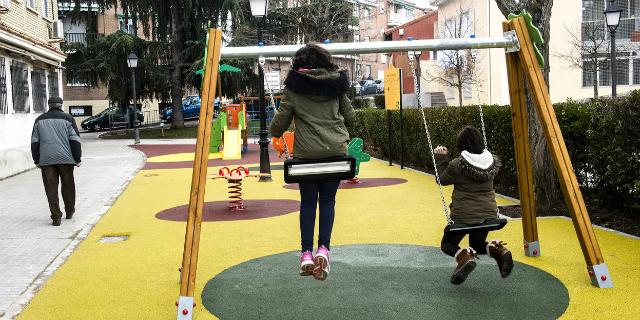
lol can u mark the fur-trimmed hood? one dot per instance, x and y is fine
(317, 82)
(479, 167)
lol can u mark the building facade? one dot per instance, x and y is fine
(30, 73)
(375, 18)
(569, 20)
(93, 24)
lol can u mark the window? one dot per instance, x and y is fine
(636, 71)
(45, 8)
(30, 3)
(53, 84)
(20, 84)
(366, 39)
(39, 89)
(128, 26)
(4, 106)
(605, 74)
(368, 71)
(587, 73)
(366, 14)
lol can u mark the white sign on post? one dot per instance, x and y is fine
(272, 81)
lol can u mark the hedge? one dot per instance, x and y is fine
(602, 136)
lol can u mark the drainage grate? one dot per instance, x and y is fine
(113, 238)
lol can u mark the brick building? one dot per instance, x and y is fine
(94, 24)
(30, 61)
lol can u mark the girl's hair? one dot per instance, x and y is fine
(313, 56)
(470, 139)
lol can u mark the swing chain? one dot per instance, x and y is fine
(426, 128)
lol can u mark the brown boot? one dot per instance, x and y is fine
(466, 259)
(498, 251)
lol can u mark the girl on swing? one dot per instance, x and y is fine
(315, 96)
(473, 202)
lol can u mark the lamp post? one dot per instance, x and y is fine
(612, 17)
(259, 11)
(132, 62)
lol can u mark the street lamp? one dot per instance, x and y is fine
(132, 62)
(259, 11)
(612, 17)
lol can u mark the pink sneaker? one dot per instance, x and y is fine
(306, 264)
(322, 267)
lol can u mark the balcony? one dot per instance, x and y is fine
(396, 19)
(73, 40)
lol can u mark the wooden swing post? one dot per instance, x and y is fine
(526, 62)
(198, 179)
(519, 120)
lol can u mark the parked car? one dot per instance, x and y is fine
(380, 86)
(369, 87)
(104, 119)
(190, 109)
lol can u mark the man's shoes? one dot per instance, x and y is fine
(57, 221)
(466, 259)
(502, 255)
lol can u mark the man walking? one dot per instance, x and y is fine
(55, 147)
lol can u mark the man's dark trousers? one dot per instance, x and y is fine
(51, 174)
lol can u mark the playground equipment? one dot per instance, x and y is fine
(284, 144)
(229, 129)
(496, 223)
(521, 62)
(234, 178)
(340, 168)
(355, 150)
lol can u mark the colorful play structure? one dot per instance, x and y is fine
(355, 150)
(229, 132)
(523, 64)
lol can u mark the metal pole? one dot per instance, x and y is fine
(614, 80)
(401, 126)
(136, 133)
(506, 41)
(265, 166)
(390, 138)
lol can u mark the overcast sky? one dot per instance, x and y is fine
(422, 3)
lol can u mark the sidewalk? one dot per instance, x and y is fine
(32, 249)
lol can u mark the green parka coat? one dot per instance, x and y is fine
(473, 200)
(315, 100)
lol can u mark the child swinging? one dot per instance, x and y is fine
(473, 202)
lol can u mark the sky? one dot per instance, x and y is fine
(422, 3)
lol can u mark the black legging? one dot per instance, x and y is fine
(477, 241)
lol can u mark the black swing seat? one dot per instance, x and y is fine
(488, 225)
(339, 168)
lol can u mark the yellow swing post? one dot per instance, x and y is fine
(198, 179)
(525, 61)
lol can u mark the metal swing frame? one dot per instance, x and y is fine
(521, 64)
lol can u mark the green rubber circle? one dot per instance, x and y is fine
(386, 281)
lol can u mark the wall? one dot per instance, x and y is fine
(15, 128)
(30, 21)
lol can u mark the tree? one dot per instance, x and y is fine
(104, 63)
(456, 68)
(589, 51)
(547, 189)
(183, 23)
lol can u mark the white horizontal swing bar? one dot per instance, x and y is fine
(319, 168)
(508, 41)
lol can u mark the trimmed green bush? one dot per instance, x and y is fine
(602, 136)
(379, 101)
(361, 103)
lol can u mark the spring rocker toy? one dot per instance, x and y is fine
(234, 178)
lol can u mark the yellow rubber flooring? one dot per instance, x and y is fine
(138, 278)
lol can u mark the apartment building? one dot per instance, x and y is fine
(30, 73)
(375, 18)
(569, 19)
(93, 24)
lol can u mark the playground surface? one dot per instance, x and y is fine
(385, 257)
